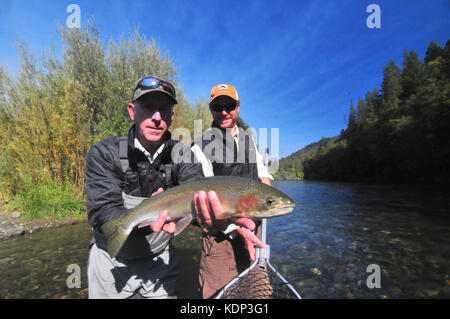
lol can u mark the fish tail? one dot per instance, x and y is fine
(114, 238)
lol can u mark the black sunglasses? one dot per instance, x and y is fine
(153, 83)
(220, 107)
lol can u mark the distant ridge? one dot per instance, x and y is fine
(291, 167)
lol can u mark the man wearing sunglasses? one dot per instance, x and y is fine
(226, 149)
(121, 171)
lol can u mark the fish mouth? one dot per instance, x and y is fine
(280, 210)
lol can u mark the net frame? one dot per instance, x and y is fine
(263, 271)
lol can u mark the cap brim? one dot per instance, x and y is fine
(145, 92)
(223, 94)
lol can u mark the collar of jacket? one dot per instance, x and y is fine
(136, 156)
(224, 130)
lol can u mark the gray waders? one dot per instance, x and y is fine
(146, 267)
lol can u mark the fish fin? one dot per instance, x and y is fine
(182, 224)
(114, 238)
(147, 222)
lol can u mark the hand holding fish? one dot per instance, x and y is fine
(204, 204)
(250, 241)
(161, 223)
(209, 209)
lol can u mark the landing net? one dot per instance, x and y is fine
(260, 281)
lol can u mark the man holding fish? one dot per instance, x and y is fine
(127, 258)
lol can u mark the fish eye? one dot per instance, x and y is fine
(270, 200)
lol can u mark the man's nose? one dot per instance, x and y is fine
(156, 116)
(224, 112)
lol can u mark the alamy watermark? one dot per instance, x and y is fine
(374, 279)
(218, 146)
(74, 279)
(74, 19)
(373, 20)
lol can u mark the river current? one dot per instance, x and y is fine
(342, 241)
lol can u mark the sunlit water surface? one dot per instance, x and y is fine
(323, 248)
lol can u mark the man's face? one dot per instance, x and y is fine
(225, 111)
(152, 114)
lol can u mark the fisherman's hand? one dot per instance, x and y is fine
(208, 208)
(161, 223)
(249, 238)
(246, 232)
(250, 241)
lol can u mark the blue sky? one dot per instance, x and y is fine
(296, 64)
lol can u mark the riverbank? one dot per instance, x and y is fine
(14, 224)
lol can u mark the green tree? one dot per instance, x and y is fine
(434, 51)
(401, 133)
(84, 59)
(352, 119)
(411, 76)
(390, 90)
(446, 61)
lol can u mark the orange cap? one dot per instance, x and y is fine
(224, 89)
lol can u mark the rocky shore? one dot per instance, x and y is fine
(14, 224)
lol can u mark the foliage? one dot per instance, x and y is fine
(397, 134)
(54, 109)
(48, 200)
(291, 167)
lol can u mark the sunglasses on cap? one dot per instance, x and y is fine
(153, 83)
(220, 107)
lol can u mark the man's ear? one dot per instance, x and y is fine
(131, 111)
(173, 113)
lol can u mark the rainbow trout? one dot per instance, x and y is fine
(240, 197)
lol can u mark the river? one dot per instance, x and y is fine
(324, 248)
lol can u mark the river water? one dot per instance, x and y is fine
(324, 248)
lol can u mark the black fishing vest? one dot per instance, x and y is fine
(142, 178)
(227, 158)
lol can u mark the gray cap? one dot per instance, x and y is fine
(140, 91)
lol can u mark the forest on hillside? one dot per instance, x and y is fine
(291, 167)
(399, 133)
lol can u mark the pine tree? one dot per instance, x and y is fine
(352, 118)
(434, 51)
(390, 89)
(446, 60)
(362, 112)
(411, 76)
(372, 103)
